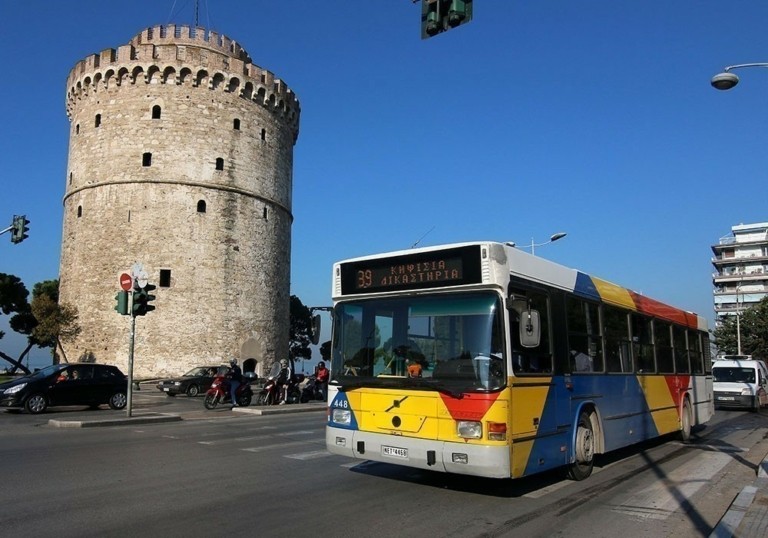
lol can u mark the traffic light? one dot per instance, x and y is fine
(141, 300)
(19, 228)
(441, 15)
(122, 303)
(149, 298)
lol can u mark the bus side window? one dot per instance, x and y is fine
(616, 331)
(585, 344)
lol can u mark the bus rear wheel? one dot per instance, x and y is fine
(686, 421)
(584, 449)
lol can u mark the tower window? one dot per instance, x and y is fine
(97, 122)
(156, 112)
(77, 129)
(263, 134)
(266, 212)
(219, 164)
(165, 278)
(70, 178)
(79, 211)
(146, 159)
(236, 124)
(201, 206)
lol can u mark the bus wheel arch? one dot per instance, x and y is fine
(588, 441)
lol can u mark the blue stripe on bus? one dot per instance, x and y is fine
(585, 287)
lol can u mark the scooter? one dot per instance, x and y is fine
(270, 393)
(219, 393)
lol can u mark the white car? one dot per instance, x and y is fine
(740, 381)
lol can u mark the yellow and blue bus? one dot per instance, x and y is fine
(481, 359)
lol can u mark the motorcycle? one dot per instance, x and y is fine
(312, 391)
(270, 394)
(219, 393)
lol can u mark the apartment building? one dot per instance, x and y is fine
(741, 269)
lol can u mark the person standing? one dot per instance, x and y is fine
(235, 379)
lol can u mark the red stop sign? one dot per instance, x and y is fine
(126, 281)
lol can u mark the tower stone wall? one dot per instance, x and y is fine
(181, 159)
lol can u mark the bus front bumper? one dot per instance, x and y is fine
(429, 454)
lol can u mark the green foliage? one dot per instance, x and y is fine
(300, 336)
(754, 332)
(45, 322)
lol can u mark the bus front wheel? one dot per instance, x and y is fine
(584, 450)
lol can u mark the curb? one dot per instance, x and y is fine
(145, 419)
(729, 523)
(279, 410)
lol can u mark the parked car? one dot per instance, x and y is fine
(67, 384)
(192, 383)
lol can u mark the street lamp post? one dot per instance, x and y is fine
(727, 80)
(738, 321)
(552, 238)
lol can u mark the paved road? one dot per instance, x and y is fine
(221, 472)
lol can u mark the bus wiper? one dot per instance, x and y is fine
(438, 386)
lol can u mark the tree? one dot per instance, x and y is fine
(300, 337)
(45, 322)
(753, 324)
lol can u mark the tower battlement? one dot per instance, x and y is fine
(182, 55)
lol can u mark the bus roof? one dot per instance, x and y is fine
(534, 268)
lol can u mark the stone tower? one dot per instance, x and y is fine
(180, 159)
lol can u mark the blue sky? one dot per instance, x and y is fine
(594, 118)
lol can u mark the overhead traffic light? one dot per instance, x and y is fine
(122, 303)
(441, 15)
(142, 299)
(19, 228)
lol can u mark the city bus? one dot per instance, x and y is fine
(481, 359)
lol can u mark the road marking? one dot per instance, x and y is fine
(271, 447)
(309, 455)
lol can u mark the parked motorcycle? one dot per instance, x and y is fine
(270, 393)
(219, 393)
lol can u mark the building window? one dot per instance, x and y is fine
(236, 124)
(146, 159)
(156, 112)
(165, 278)
(79, 211)
(219, 164)
(97, 122)
(201, 206)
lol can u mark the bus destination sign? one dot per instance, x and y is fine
(439, 268)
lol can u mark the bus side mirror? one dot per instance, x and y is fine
(316, 329)
(529, 322)
(530, 328)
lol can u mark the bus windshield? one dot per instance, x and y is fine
(445, 342)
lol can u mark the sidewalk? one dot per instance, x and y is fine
(747, 516)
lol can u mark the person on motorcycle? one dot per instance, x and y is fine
(321, 379)
(284, 379)
(235, 378)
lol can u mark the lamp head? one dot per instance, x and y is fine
(724, 81)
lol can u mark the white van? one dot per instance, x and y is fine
(740, 381)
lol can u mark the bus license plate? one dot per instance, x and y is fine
(394, 452)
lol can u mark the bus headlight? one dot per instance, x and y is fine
(342, 416)
(469, 429)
